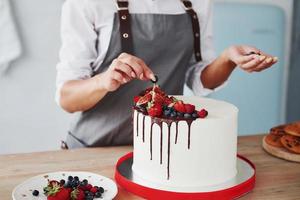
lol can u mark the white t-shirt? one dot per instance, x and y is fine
(86, 22)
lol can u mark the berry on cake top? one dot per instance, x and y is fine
(156, 103)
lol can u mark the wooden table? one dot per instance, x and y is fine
(276, 179)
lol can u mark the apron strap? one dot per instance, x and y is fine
(125, 26)
(196, 28)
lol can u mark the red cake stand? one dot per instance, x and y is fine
(240, 185)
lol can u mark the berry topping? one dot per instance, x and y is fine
(136, 99)
(187, 116)
(189, 108)
(195, 114)
(144, 99)
(179, 106)
(202, 113)
(155, 110)
(94, 189)
(154, 102)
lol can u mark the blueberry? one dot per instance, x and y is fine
(89, 198)
(173, 114)
(75, 183)
(62, 182)
(90, 194)
(179, 114)
(69, 184)
(35, 193)
(85, 181)
(167, 112)
(76, 178)
(187, 116)
(101, 189)
(195, 115)
(86, 192)
(70, 178)
(165, 107)
(98, 194)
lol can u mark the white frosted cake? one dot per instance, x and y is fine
(179, 152)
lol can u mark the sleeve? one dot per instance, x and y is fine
(78, 50)
(193, 74)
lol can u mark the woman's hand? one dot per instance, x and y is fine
(249, 58)
(122, 70)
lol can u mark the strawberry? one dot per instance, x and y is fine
(158, 98)
(189, 108)
(156, 90)
(179, 106)
(54, 191)
(136, 99)
(144, 99)
(77, 194)
(202, 113)
(168, 101)
(88, 187)
(155, 110)
(94, 190)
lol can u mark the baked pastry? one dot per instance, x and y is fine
(293, 129)
(291, 143)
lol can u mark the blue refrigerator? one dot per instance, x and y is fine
(259, 96)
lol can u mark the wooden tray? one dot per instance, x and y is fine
(280, 152)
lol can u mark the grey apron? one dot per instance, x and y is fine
(166, 44)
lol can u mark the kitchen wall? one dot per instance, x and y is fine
(29, 118)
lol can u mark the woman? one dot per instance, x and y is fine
(110, 51)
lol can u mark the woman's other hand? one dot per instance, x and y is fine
(249, 58)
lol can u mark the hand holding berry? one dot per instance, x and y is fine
(122, 70)
(249, 58)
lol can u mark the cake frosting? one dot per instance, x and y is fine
(179, 153)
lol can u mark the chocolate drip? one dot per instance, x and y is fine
(189, 122)
(161, 141)
(144, 128)
(176, 136)
(169, 146)
(159, 122)
(137, 124)
(151, 140)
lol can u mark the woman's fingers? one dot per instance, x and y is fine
(117, 76)
(266, 64)
(244, 59)
(126, 69)
(141, 70)
(253, 63)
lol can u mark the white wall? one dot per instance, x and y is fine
(29, 118)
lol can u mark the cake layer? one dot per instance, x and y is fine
(184, 153)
